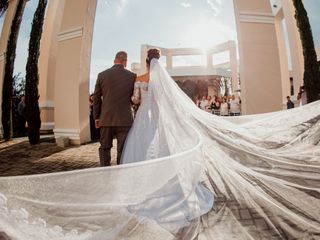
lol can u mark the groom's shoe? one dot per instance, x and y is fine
(105, 157)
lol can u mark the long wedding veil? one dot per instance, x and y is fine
(263, 170)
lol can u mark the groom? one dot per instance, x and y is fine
(112, 107)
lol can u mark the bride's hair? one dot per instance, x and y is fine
(153, 53)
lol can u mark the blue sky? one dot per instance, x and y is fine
(126, 24)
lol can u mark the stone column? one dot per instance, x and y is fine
(233, 66)
(209, 60)
(47, 63)
(143, 57)
(169, 61)
(260, 72)
(285, 76)
(9, 15)
(71, 111)
(295, 44)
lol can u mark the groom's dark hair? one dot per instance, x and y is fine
(121, 56)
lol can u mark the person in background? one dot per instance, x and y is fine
(208, 107)
(198, 101)
(234, 106)
(224, 107)
(204, 103)
(94, 132)
(290, 104)
(22, 116)
(302, 96)
(215, 105)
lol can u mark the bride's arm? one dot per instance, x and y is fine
(136, 94)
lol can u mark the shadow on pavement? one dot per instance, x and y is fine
(18, 157)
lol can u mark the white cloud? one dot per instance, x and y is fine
(119, 4)
(185, 5)
(206, 33)
(107, 2)
(214, 5)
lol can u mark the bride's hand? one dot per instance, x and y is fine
(97, 123)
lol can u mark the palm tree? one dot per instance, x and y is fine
(32, 75)
(3, 6)
(8, 70)
(311, 72)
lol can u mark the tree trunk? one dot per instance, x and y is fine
(32, 75)
(10, 56)
(311, 76)
(3, 6)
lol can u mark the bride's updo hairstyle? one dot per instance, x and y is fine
(153, 53)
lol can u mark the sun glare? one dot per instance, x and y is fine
(207, 32)
(200, 35)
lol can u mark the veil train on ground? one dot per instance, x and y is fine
(192, 175)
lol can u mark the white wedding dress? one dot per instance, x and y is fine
(263, 170)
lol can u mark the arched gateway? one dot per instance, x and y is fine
(66, 54)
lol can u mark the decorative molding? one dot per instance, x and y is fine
(70, 34)
(72, 134)
(46, 104)
(47, 126)
(256, 17)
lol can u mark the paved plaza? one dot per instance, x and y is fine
(18, 157)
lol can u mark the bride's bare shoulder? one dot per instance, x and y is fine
(143, 78)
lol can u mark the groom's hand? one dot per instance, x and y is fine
(97, 123)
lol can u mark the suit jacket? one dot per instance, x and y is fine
(112, 97)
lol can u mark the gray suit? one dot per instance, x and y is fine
(112, 106)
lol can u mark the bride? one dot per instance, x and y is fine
(263, 171)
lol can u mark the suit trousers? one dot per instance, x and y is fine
(106, 138)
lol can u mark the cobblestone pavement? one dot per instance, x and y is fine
(17, 157)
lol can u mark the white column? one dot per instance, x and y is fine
(47, 63)
(169, 61)
(260, 71)
(233, 66)
(143, 57)
(285, 76)
(209, 60)
(73, 71)
(295, 44)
